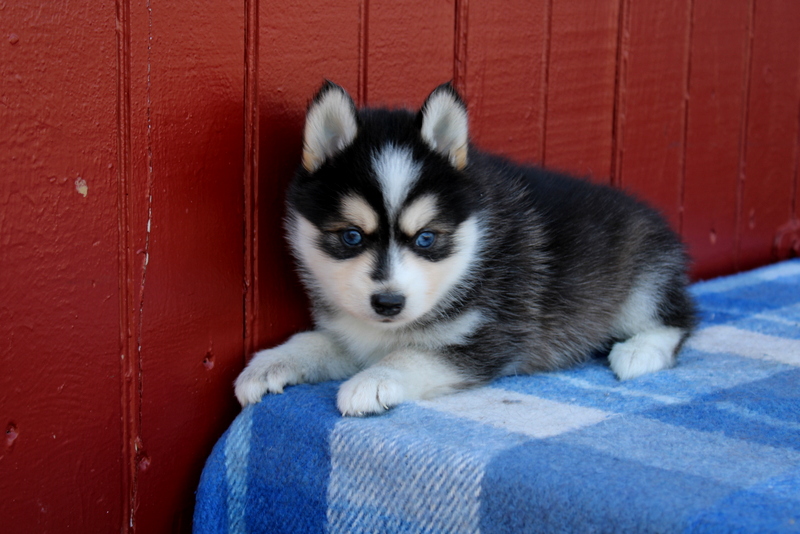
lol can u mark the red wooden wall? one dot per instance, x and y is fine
(145, 146)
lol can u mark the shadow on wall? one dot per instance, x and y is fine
(283, 306)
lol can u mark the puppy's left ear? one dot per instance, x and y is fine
(444, 125)
(331, 125)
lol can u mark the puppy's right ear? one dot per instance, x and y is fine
(444, 124)
(330, 125)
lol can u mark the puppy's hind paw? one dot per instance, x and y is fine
(646, 352)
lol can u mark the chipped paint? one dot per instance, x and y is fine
(81, 186)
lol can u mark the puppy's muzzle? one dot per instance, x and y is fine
(387, 304)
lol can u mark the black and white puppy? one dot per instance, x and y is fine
(434, 267)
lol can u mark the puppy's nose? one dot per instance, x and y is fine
(387, 304)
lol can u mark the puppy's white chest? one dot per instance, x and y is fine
(368, 343)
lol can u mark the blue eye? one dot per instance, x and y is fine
(425, 239)
(351, 237)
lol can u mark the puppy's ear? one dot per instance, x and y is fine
(330, 125)
(444, 127)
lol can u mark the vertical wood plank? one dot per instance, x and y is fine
(771, 138)
(187, 126)
(505, 76)
(581, 87)
(410, 50)
(716, 111)
(650, 104)
(60, 467)
(299, 46)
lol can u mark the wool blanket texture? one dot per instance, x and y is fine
(712, 445)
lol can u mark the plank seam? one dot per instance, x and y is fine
(795, 183)
(460, 46)
(620, 86)
(138, 442)
(546, 80)
(686, 104)
(740, 182)
(363, 51)
(251, 170)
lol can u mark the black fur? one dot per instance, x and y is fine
(559, 256)
(528, 269)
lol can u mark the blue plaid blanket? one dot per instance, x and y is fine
(712, 445)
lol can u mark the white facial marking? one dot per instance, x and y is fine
(356, 211)
(397, 172)
(346, 284)
(419, 214)
(425, 283)
(406, 277)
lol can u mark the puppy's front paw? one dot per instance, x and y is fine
(371, 391)
(268, 372)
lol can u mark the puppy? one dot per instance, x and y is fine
(434, 267)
